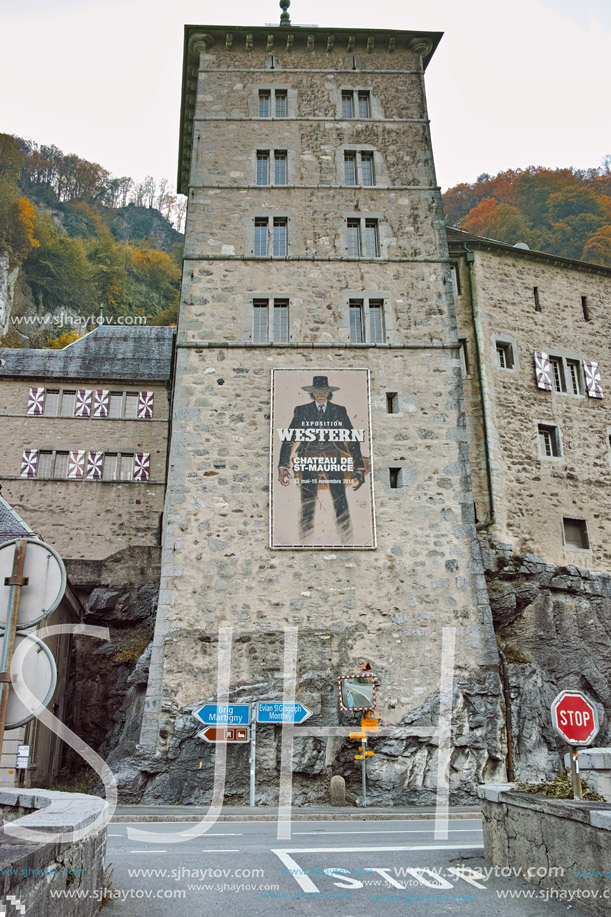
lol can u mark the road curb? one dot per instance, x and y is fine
(295, 816)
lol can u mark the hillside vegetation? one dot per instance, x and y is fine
(86, 241)
(565, 212)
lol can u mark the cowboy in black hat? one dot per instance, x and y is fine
(329, 439)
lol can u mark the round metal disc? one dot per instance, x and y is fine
(46, 582)
(35, 667)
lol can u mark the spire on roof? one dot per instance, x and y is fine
(285, 19)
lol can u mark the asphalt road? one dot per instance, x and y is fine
(345, 869)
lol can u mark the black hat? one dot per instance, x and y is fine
(319, 384)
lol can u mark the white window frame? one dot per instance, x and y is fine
(274, 95)
(549, 441)
(276, 310)
(272, 158)
(357, 159)
(365, 304)
(361, 225)
(505, 357)
(566, 373)
(356, 98)
(271, 223)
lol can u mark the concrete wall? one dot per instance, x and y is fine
(111, 515)
(558, 844)
(532, 494)
(30, 870)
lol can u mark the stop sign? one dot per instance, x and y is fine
(575, 718)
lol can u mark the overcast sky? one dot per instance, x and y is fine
(511, 84)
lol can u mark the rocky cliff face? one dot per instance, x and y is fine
(109, 679)
(553, 625)
(8, 278)
(16, 300)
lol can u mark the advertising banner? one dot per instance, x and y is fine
(321, 481)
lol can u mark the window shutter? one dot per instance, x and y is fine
(591, 374)
(36, 401)
(94, 466)
(145, 405)
(82, 407)
(543, 370)
(142, 464)
(76, 464)
(101, 402)
(29, 462)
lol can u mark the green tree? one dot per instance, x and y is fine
(58, 271)
(12, 158)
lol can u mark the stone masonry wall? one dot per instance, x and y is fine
(533, 493)
(389, 605)
(111, 515)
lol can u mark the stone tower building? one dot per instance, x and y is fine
(315, 244)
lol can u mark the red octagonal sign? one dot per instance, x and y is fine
(575, 718)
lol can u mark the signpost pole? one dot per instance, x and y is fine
(575, 775)
(364, 770)
(15, 581)
(253, 748)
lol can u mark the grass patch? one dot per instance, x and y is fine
(560, 787)
(132, 647)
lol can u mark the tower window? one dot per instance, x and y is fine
(367, 321)
(576, 534)
(392, 402)
(270, 237)
(273, 101)
(356, 104)
(363, 239)
(264, 103)
(271, 170)
(278, 320)
(358, 168)
(394, 477)
(585, 308)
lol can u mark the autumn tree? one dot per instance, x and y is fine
(17, 223)
(598, 247)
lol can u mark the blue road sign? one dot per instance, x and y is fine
(270, 712)
(223, 714)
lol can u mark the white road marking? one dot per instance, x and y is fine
(387, 831)
(208, 850)
(148, 851)
(284, 855)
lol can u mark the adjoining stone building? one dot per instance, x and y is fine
(534, 331)
(85, 432)
(84, 459)
(315, 242)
